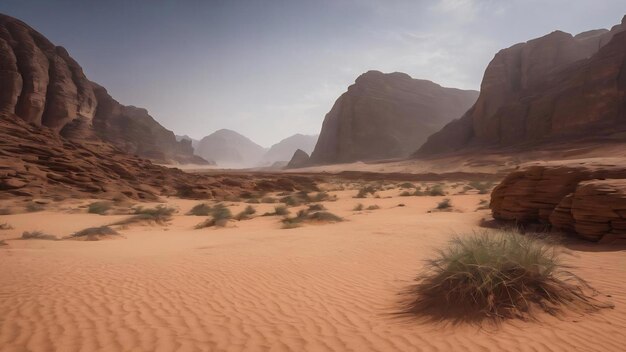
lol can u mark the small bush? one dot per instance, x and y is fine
(253, 201)
(358, 207)
(364, 191)
(268, 200)
(444, 204)
(482, 187)
(304, 215)
(220, 215)
(160, 215)
(436, 190)
(499, 275)
(373, 207)
(281, 210)
(201, 209)
(37, 235)
(406, 194)
(246, 213)
(324, 216)
(93, 233)
(99, 208)
(316, 207)
(407, 185)
(290, 201)
(32, 207)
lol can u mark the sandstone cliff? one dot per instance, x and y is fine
(555, 88)
(41, 84)
(386, 116)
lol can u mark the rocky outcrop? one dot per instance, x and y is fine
(283, 150)
(41, 84)
(230, 149)
(587, 199)
(557, 87)
(36, 162)
(299, 159)
(385, 116)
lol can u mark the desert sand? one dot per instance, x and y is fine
(253, 286)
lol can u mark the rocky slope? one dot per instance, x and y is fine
(586, 199)
(555, 88)
(230, 149)
(386, 116)
(283, 150)
(41, 84)
(299, 159)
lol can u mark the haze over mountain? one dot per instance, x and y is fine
(386, 116)
(283, 150)
(556, 88)
(230, 149)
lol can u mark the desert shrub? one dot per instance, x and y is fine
(37, 235)
(32, 207)
(159, 214)
(407, 185)
(290, 201)
(323, 216)
(358, 207)
(5, 226)
(92, 233)
(482, 187)
(444, 204)
(406, 194)
(100, 208)
(246, 213)
(436, 190)
(496, 275)
(281, 210)
(220, 215)
(483, 204)
(364, 191)
(305, 215)
(268, 200)
(253, 201)
(316, 207)
(201, 209)
(373, 207)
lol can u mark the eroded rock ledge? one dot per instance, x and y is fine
(585, 199)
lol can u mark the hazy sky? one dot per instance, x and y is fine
(269, 69)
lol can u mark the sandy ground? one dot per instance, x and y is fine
(253, 286)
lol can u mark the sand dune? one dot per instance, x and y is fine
(255, 287)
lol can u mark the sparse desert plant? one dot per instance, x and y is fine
(323, 216)
(316, 207)
(93, 233)
(220, 215)
(253, 201)
(201, 209)
(444, 204)
(373, 207)
(5, 226)
(483, 204)
(358, 207)
(37, 235)
(304, 215)
(281, 210)
(246, 213)
(364, 191)
(482, 187)
(268, 200)
(497, 275)
(159, 215)
(32, 207)
(407, 185)
(436, 190)
(406, 194)
(290, 201)
(100, 208)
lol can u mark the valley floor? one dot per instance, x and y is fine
(254, 286)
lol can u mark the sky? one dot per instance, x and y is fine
(271, 68)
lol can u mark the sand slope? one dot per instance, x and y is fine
(256, 287)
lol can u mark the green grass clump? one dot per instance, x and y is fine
(220, 215)
(37, 235)
(100, 208)
(201, 209)
(496, 275)
(436, 190)
(444, 204)
(159, 215)
(246, 213)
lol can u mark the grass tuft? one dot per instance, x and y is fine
(100, 208)
(37, 235)
(93, 233)
(201, 209)
(495, 276)
(159, 215)
(246, 213)
(220, 215)
(444, 204)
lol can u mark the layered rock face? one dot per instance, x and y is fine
(386, 116)
(41, 84)
(587, 199)
(299, 159)
(230, 149)
(557, 87)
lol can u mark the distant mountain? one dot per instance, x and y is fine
(284, 150)
(299, 159)
(230, 149)
(557, 88)
(384, 116)
(194, 142)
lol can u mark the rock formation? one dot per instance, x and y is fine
(299, 159)
(230, 149)
(587, 199)
(386, 116)
(41, 84)
(555, 88)
(283, 150)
